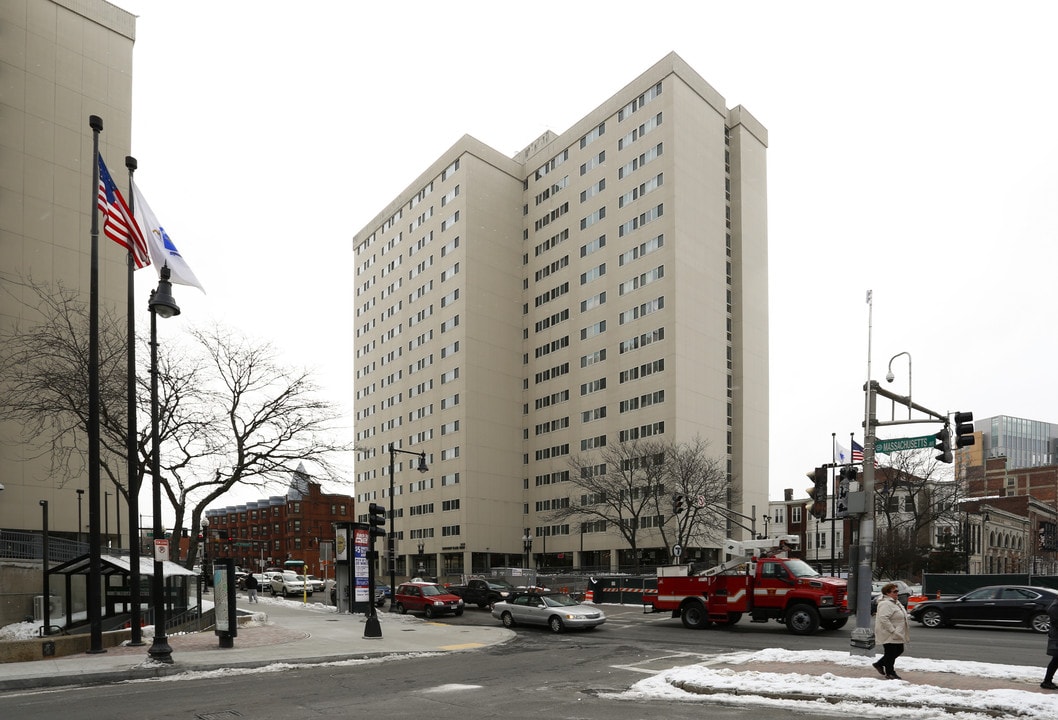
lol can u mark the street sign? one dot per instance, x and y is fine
(677, 550)
(898, 444)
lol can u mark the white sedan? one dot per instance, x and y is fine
(557, 611)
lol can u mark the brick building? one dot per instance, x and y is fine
(270, 531)
(996, 479)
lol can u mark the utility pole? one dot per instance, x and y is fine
(862, 636)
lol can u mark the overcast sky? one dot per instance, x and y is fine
(912, 152)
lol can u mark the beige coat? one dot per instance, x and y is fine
(891, 624)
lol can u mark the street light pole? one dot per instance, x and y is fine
(205, 552)
(391, 545)
(889, 377)
(161, 303)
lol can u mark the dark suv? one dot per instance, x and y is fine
(428, 598)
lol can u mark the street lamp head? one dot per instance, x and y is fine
(80, 491)
(205, 523)
(44, 503)
(162, 301)
(422, 463)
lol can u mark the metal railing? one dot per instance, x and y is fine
(22, 545)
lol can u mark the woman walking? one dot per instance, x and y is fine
(1052, 648)
(892, 629)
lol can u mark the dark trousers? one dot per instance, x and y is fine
(1052, 666)
(892, 652)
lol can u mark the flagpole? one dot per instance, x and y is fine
(133, 472)
(833, 497)
(95, 565)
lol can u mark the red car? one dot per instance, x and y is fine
(428, 598)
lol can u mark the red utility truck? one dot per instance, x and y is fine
(760, 580)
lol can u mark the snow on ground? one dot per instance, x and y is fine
(868, 696)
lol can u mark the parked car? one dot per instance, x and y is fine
(316, 584)
(903, 590)
(428, 598)
(992, 605)
(287, 584)
(557, 611)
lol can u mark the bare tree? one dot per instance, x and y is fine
(913, 498)
(230, 413)
(630, 486)
(44, 381)
(255, 419)
(619, 488)
(703, 484)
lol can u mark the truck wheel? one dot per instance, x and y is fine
(802, 619)
(833, 624)
(483, 605)
(694, 616)
(732, 618)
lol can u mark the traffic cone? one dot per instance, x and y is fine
(589, 596)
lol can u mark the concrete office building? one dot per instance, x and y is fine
(61, 61)
(608, 283)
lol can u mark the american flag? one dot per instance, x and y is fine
(118, 223)
(857, 454)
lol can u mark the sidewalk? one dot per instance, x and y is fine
(279, 633)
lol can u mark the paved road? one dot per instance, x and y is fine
(525, 674)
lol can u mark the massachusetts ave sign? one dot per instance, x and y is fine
(898, 444)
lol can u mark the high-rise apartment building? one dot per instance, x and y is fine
(61, 61)
(605, 284)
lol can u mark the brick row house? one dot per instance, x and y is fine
(268, 532)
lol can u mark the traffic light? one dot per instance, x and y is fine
(376, 518)
(964, 429)
(943, 445)
(818, 493)
(677, 504)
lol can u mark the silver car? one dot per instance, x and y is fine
(557, 611)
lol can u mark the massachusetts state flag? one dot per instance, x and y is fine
(163, 250)
(118, 223)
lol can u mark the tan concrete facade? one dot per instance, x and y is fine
(622, 261)
(60, 62)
